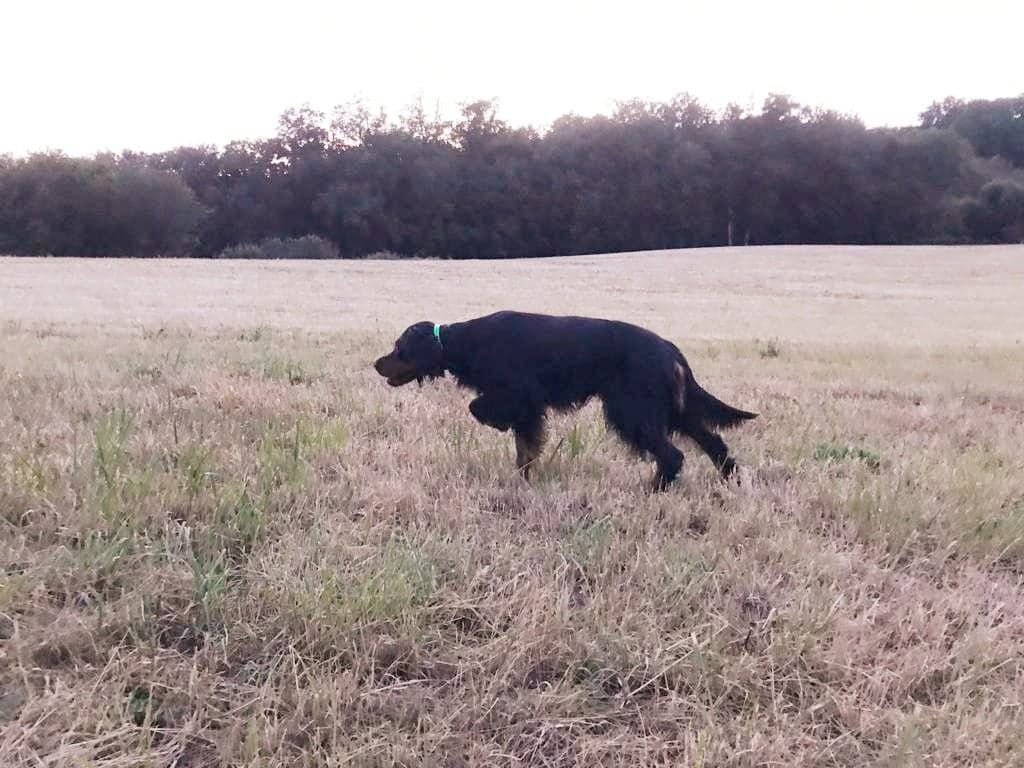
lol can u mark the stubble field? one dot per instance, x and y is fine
(225, 541)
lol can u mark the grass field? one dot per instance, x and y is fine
(225, 541)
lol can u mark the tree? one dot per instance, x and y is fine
(652, 175)
(53, 204)
(941, 114)
(994, 128)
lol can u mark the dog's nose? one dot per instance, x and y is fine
(376, 365)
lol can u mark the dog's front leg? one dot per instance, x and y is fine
(493, 411)
(508, 410)
(529, 444)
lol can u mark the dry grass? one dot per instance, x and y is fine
(224, 541)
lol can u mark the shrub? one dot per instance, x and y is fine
(997, 213)
(307, 247)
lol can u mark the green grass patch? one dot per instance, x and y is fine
(119, 484)
(295, 372)
(588, 544)
(835, 453)
(396, 580)
(285, 450)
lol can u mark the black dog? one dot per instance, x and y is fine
(521, 364)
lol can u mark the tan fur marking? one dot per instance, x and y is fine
(680, 377)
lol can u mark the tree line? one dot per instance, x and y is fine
(651, 175)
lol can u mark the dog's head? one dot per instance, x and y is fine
(417, 355)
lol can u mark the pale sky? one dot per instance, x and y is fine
(94, 75)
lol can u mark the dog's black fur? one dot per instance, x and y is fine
(522, 364)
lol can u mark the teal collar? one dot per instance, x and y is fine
(437, 332)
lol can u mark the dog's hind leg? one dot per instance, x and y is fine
(645, 433)
(714, 446)
(669, 460)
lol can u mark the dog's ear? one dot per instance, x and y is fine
(425, 350)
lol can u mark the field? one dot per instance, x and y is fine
(224, 541)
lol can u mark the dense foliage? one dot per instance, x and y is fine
(652, 175)
(106, 206)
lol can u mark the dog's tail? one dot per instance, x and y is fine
(694, 402)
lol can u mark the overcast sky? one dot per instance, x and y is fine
(91, 75)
